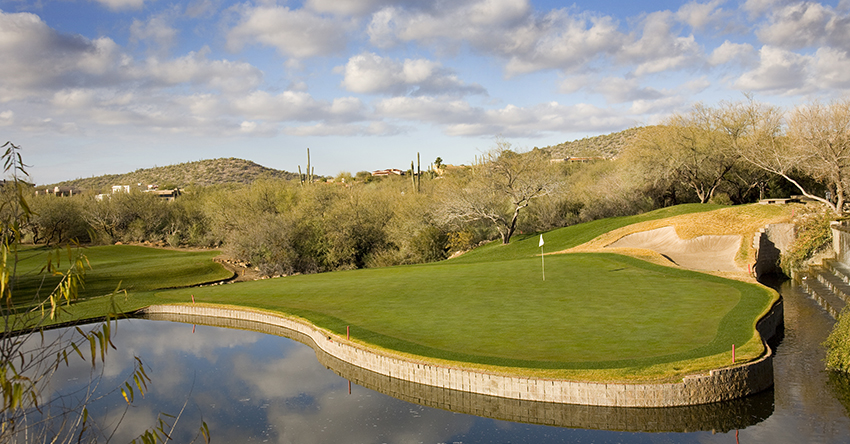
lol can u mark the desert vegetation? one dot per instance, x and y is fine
(282, 224)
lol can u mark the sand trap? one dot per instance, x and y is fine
(711, 253)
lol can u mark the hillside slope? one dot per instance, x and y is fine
(608, 146)
(202, 173)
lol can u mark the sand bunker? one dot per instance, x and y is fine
(710, 253)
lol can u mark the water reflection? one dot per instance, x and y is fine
(724, 416)
(255, 387)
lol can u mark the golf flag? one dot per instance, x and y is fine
(542, 263)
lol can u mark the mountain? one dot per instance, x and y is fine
(608, 146)
(202, 173)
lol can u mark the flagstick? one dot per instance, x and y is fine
(542, 260)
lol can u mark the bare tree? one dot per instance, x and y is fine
(500, 187)
(821, 135)
(817, 144)
(696, 149)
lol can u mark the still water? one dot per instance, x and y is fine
(255, 387)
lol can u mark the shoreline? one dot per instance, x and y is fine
(716, 385)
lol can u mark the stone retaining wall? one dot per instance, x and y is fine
(717, 385)
(841, 242)
(770, 242)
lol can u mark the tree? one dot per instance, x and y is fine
(499, 188)
(58, 220)
(821, 135)
(695, 149)
(816, 144)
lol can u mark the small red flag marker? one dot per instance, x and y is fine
(733, 353)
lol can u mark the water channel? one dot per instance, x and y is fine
(259, 387)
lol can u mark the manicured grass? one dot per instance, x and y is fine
(594, 310)
(130, 268)
(597, 316)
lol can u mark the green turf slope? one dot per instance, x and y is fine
(131, 268)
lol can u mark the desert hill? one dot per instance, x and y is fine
(201, 173)
(608, 146)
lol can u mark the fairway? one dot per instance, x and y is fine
(130, 268)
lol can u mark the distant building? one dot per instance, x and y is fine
(58, 191)
(577, 159)
(389, 172)
(168, 195)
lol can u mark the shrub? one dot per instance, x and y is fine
(838, 344)
(813, 235)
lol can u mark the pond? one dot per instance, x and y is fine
(257, 387)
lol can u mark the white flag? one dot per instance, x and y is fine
(541, 241)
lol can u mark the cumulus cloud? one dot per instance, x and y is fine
(371, 73)
(156, 29)
(659, 49)
(741, 53)
(620, 90)
(560, 41)
(117, 5)
(38, 60)
(479, 21)
(506, 28)
(703, 15)
(356, 7)
(832, 68)
(195, 68)
(779, 71)
(459, 118)
(758, 7)
(36, 56)
(298, 106)
(806, 24)
(614, 89)
(563, 39)
(7, 118)
(295, 33)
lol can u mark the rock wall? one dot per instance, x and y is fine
(717, 385)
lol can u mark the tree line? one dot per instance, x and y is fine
(731, 153)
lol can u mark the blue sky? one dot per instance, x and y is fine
(90, 87)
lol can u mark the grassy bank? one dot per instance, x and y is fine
(131, 268)
(597, 316)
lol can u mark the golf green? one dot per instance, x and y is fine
(592, 311)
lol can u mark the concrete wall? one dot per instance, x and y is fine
(716, 385)
(841, 242)
(770, 242)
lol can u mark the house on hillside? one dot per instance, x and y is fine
(389, 172)
(58, 191)
(577, 159)
(168, 195)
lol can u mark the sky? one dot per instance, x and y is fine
(92, 87)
